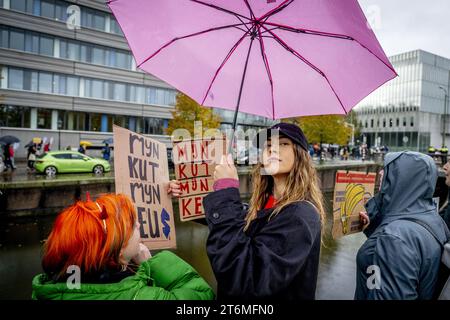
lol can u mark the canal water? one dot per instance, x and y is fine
(21, 246)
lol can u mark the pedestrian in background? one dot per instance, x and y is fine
(7, 157)
(11, 156)
(31, 157)
(405, 233)
(82, 149)
(106, 152)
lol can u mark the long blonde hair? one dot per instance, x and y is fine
(301, 185)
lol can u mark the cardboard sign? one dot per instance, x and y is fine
(195, 161)
(141, 172)
(351, 192)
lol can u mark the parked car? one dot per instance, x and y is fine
(54, 162)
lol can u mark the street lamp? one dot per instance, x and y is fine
(445, 114)
(351, 125)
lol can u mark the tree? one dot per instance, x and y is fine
(324, 129)
(187, 111)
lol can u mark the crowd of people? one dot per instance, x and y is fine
(361, 151)
(267, 250)
(439, 153)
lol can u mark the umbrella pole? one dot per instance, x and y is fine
(230, 145)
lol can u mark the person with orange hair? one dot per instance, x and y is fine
(94, 253)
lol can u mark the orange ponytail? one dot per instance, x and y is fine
(90, 235)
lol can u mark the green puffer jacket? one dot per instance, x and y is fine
(170, 278)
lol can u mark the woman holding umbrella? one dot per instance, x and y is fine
(270, 250)
(8, 150)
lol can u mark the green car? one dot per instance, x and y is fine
(54, 162)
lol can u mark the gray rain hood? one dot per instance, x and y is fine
(407, 190)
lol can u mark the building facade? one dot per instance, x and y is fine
(67, 73)
(409, 111)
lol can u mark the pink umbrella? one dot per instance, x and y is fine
(273, 58)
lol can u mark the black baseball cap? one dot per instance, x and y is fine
(288, 130)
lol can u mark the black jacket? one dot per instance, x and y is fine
(276, 259)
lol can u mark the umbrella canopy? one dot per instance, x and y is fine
(9, 140)
(272, 58)
(85, 143)
(108, 141)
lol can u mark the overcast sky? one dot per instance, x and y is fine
(405, 25)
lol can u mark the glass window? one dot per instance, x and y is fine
(140, 94)
(97, 89)
(45, 82)
(73, 51)
(44, 118)
(120, 121)
(48, 9)
(76, 156)
(85, 53)
(73, 86)
(34, 81)
(30, 80)
(99, 21)
(13, 116)
(15, 79)
(412, 121)
(398, 122)
(112, 58)
(30, 5)
(32, 42)
(62, 156)
(160, 96)
(119, 92)
(87, 87)
(62, 119)
(122, 60)
(60, 11)
(151, 96)
(173, 98)
(95, 122)
(131, 94)
(63, 48)
(17, 40)
(68, 120)
(46, 47)
(115, 28)
(85, 17)
(4, 38)
(153, 126)
(98, 55)
(59, 84)
(19, 5)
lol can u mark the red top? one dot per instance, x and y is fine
(270, 202)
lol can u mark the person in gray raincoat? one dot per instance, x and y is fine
(400, 259)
